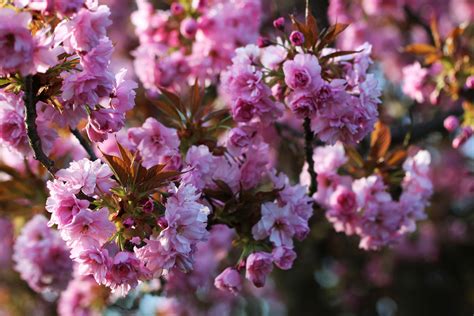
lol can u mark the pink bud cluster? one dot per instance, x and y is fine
(191, 41)
(42, 258)
(364, 206)
(343, 108)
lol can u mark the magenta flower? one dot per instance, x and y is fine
(103, 122)
(87, 176)
(12, 126)
(343, 210)
(283, 257)
(414, 80)
(92, 260)
(303, 72)
(88, 226)
(41, 257)
(451, 123)
(258, 266)
(125, 272)
(83, 32)
(229, 280)
(155, 142)
(63, 204)
(278, 223)
(297, 38)
(16, 43)
(124, 92)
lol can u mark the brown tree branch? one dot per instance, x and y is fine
(84, 143)
(308, 148)
(422, 130)
(30, 92)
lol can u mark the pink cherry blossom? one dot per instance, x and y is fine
(88, 226)
(229, 280)
(303, 72)
(155, 142)
(83, 32)
(283, 257)
(258, 267)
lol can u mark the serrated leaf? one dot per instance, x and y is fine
(380, 140)
(421, 49)
(396, 158)
(118, 167)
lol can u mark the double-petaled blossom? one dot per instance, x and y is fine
(88, 227)
(41, 257)
(125, 271)
(83, 32)
(205, 168)
(381, 217)
(303, 72)
(20, 51)
(61, 7)
(12, 125)
(258, 266)
(184, 225)
(248, 95)
(364, 206)
(78, 297)
(417, 188)
(229, 280)
(155, 143)
(342, 212)
(90, 177)
(209, 37)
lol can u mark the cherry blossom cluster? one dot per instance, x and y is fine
(81, 297)
(70, 57)
(342, 104)
(237, 173)
(42, 258)
(114, 249)
(364, 206)
(193, 39)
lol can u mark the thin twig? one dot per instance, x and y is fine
(30, 90)
(308, 148)
(422, 130)
(84, 143)
(416, 19)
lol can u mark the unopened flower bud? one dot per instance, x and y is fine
(177, 8)
(128, 222)
(451, 123)
(466, 133)
(296, 38)
(263, 42)
(188, 28)
(149, 206)
(279, 23)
